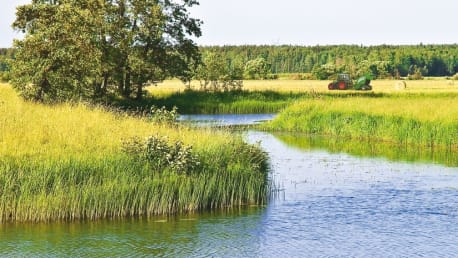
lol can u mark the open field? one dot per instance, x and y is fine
(272, 96)
(66, 162)
(430, 85)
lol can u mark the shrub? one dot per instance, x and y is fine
(163, 116)
(158, 153)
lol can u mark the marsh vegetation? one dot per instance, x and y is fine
(66, 162)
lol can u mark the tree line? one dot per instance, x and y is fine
(222, 63)
(383, 61)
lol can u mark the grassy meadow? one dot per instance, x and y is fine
(272, 96)
(428, 85)
(65, 162)
(425, 112)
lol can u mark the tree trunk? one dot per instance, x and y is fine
(139, 91)
(127, 87)
(103, 88)
(121, 86)
(97, 88)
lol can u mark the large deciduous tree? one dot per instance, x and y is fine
(86, 48)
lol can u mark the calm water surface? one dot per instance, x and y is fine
(226, 119)
(328, 203)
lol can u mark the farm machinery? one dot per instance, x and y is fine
(344, 82)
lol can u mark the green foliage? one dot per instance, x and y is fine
(256, 69)
(384, 61)
(161, 155)
(417, 73)
(217, 74)
(5, 67)
(163, 116)
(58, 55)
(324, 72)
(233, 102)
(84, 49)
(421, 120)
(5, 76)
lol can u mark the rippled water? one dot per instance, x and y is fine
(226, 119)
(341, 205)
(327, 204)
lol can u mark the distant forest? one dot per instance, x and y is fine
(384, 61)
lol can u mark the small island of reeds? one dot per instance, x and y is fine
(69, 161)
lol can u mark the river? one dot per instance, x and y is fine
(331, 200)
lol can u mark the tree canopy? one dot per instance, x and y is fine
(88, 48)
(216, 73)
(384, 61)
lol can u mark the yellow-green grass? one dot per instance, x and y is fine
(430, 120)
(66, 162)
(428, 85)
(272, 96)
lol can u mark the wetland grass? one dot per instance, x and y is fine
(427, 120)
(235, 102)
(65, 162)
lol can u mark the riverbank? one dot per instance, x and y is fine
(200, 102)
(424, 119)
(66, 162)
(272, 96)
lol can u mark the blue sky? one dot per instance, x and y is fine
(296, 22)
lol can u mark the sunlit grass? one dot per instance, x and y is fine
(272, 96)
(65, 162)
(417, 119)
(428, 85)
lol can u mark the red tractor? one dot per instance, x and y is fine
(344, 82)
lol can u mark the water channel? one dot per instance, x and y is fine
(334, 198)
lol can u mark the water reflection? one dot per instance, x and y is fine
(226, 119)
(336, 204)
(366, 149)
(334, 200)
(223, 233)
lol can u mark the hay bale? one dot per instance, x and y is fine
(400, 85)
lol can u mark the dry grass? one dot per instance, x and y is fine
(433, 85)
